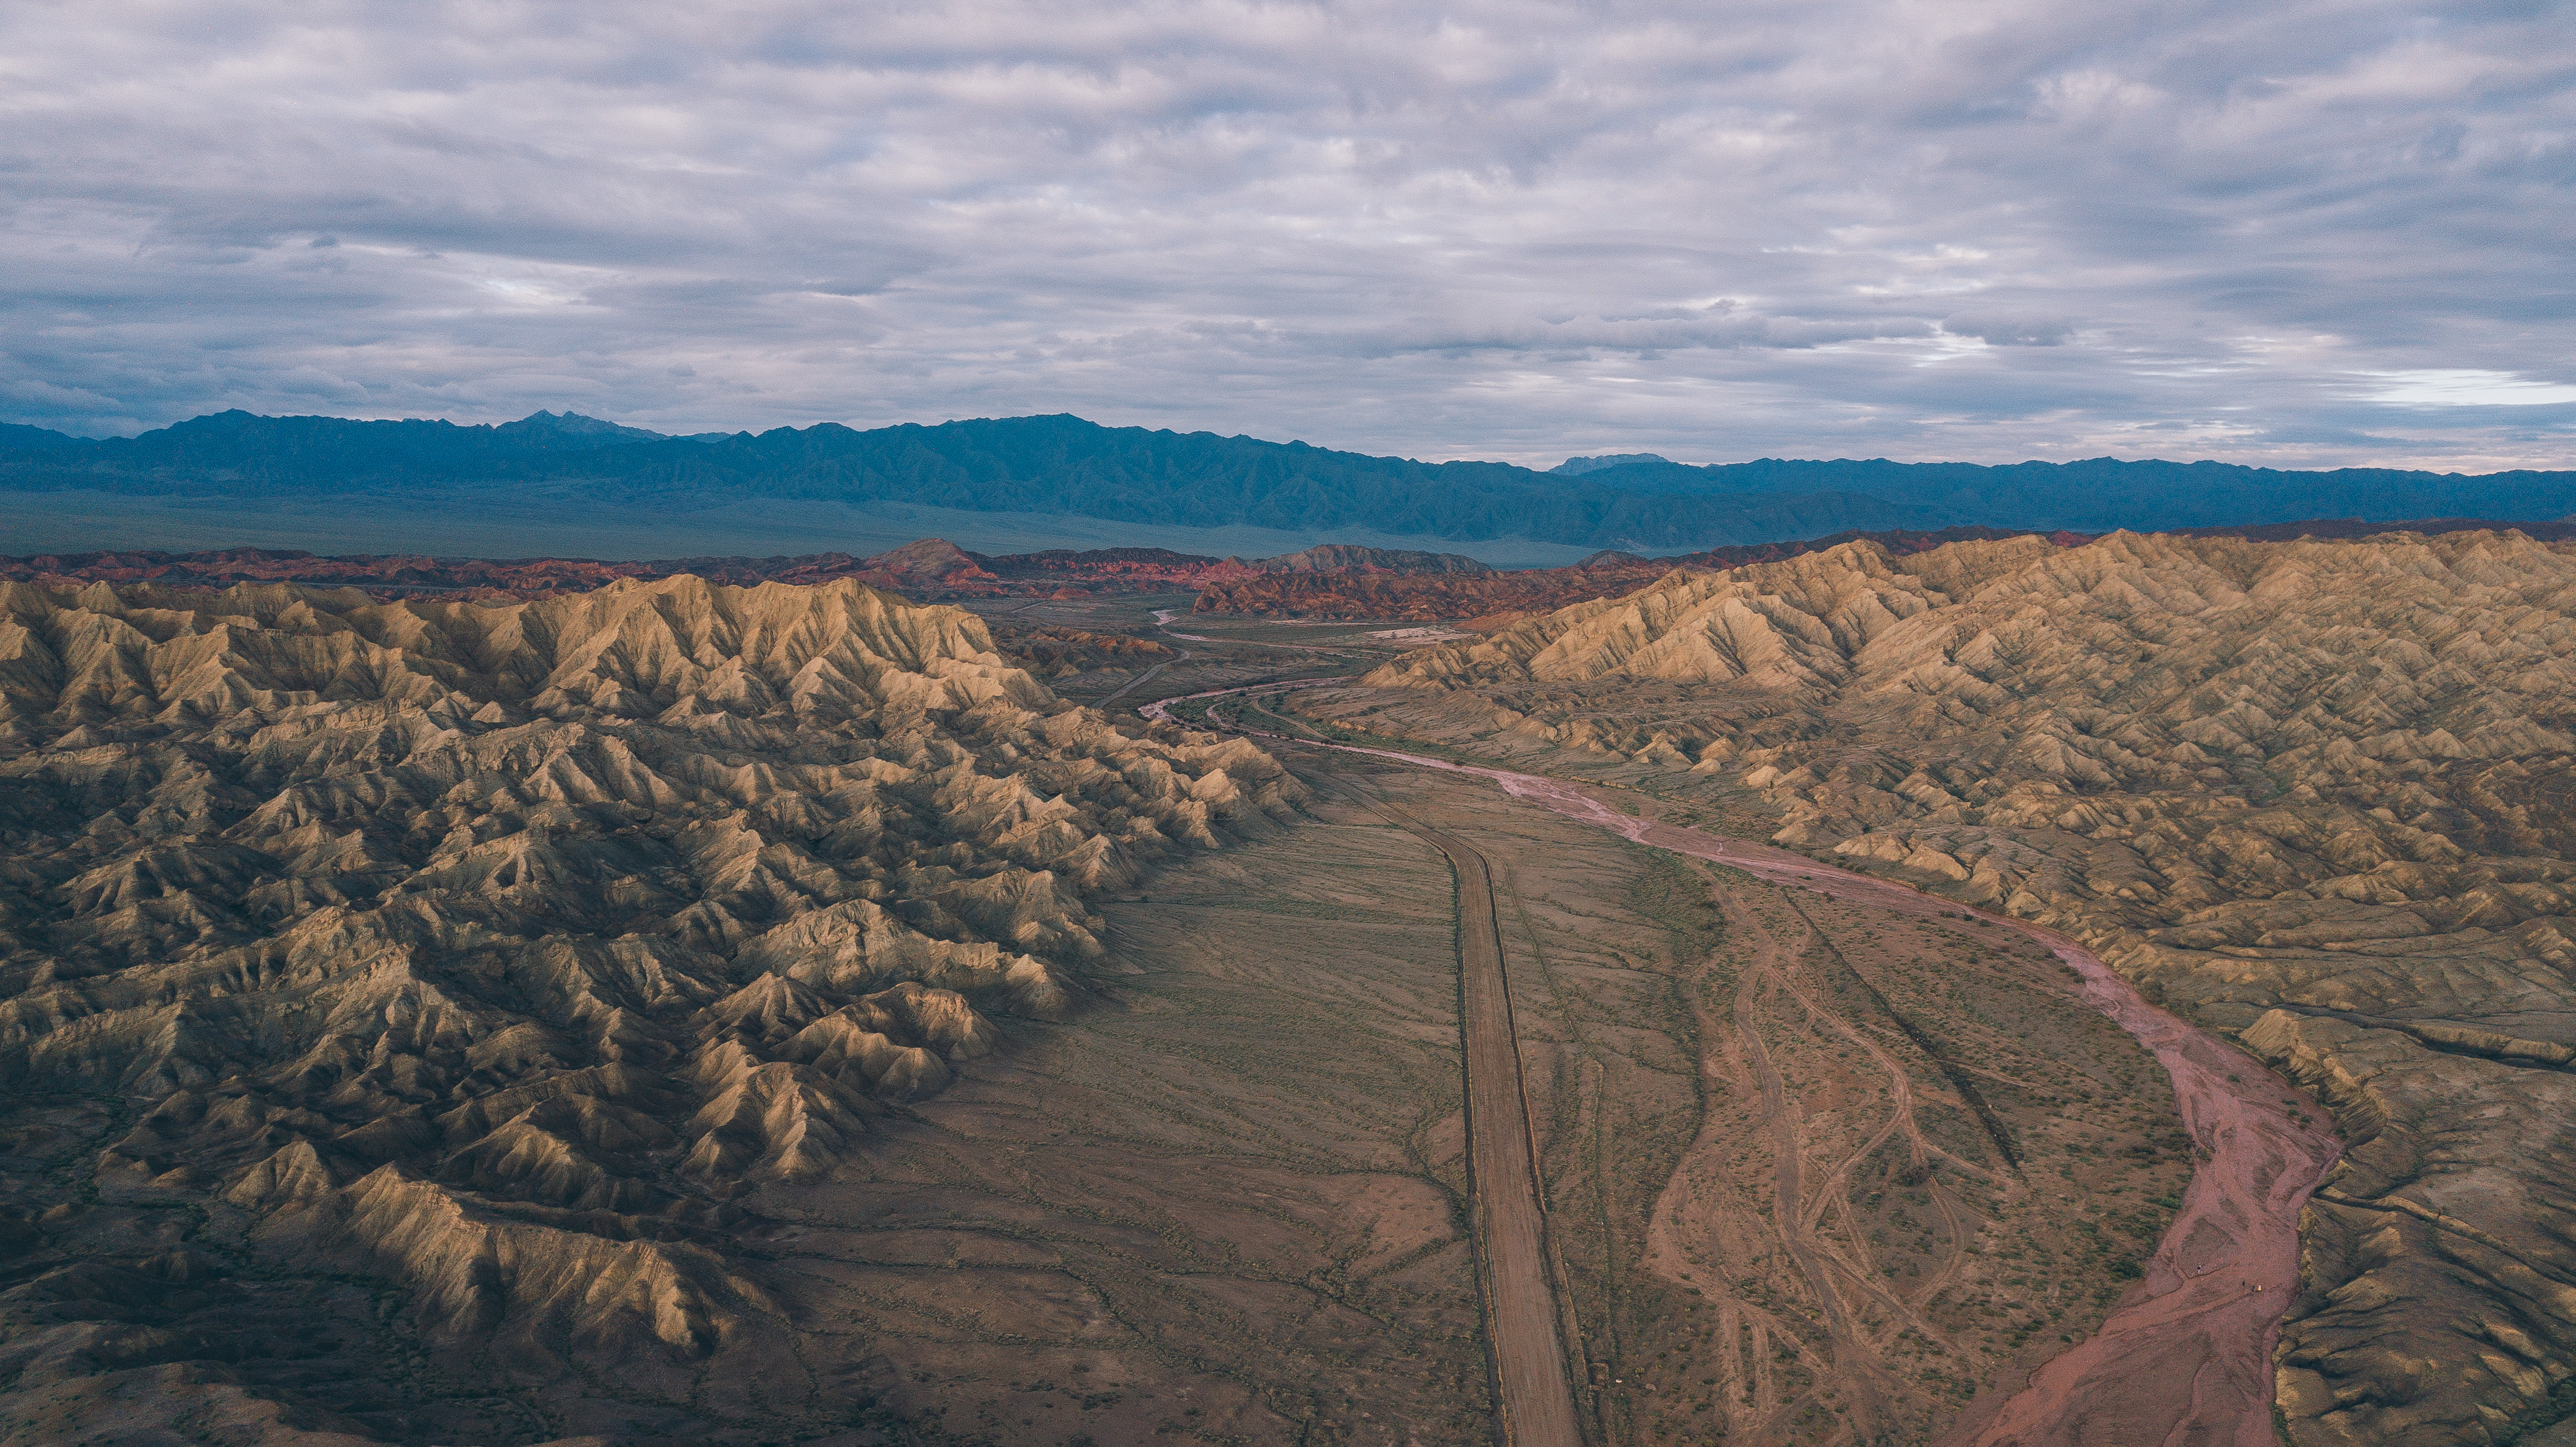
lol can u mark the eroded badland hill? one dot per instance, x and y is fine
(407, 1005)
(685, 1012)
(2312, 794)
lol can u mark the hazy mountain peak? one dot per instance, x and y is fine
(1577, 466)
(572, 429)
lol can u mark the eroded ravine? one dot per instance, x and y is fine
(2186, 1357)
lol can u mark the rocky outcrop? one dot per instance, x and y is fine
(497, 951)
(1420, 597)
(1353, 558)
(928, 568)
(1496, 600)
(1053, 652)
(2316, 793)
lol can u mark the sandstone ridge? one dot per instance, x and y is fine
(1491, 600)
(498, 954)
(2315, 793)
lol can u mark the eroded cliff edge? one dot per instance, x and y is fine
(2316, 794)
(479, 959)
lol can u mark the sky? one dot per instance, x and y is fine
(2296, 234)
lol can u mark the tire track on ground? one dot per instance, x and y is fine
(2209, 1325)
(1533, 1391)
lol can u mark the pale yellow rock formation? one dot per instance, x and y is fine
(2318, 793)
(493, 951)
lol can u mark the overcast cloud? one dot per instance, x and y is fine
(2300, 233)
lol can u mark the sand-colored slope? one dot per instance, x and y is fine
(2316, 793)
(492, 953)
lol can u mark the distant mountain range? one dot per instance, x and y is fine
(1067, 466)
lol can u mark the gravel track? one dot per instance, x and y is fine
(1533, 1389)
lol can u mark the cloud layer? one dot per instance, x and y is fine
(2300, 233)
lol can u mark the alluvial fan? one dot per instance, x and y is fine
(401, 988)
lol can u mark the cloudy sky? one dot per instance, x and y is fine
(2290, 231)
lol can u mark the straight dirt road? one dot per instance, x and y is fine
(1535, 1393)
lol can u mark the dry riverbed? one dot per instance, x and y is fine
(2184, 1348)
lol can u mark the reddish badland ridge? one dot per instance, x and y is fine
(1331, 580)
(931, 568)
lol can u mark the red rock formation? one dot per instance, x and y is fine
(931, 568)
(1352, 558)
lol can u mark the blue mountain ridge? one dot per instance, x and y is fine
(1068, 466)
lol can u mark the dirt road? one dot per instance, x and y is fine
(2187, 1357)
(1535, 1393)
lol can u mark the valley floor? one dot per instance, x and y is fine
(1816, 1171)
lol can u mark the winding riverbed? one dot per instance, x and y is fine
(2186, 1357)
